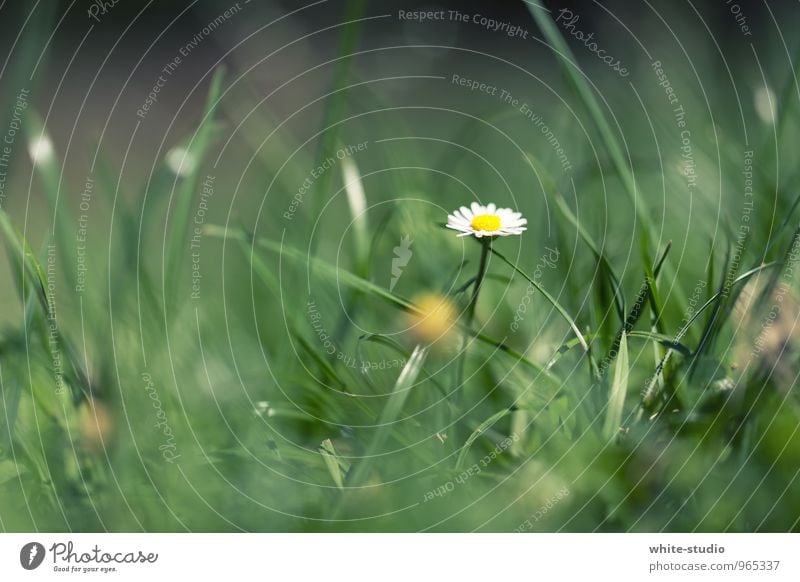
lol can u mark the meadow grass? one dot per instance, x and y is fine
(235, 413)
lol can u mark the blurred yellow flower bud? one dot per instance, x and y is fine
(436, 321)
(96, 424)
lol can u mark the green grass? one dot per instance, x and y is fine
(250, 408)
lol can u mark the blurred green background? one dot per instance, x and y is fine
(229, 302)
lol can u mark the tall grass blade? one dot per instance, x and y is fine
(566, 212)
(334, 110)
(619, 388)
(397, 347)
(649, 394)
(549, 298)
(333, 463)
(177, 240)
(645, 291)
(551, 33)
(389, 416)
(346, 278)
(28, 264)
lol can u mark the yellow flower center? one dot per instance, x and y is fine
(488, 222)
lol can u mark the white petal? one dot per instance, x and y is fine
(477, 209)
(458, 227)
(491, 208)
(467, 213)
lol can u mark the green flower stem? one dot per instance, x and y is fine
(486, 247)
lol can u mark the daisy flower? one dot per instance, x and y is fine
(486, 220)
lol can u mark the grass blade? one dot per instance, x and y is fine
(30, 266)
(390, 414)
(659, 338)
(343, 277)
(397, 347)
(619, 388)
(335, 107)
(649, 394)
(332, 461)
(549, 298)
(551, 33)
(566, 212)
(647, 290)
(198, 147)
(462, 455)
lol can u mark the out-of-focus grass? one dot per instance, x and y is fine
(234, 414)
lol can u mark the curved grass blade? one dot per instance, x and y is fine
(659, 338)
(549, 298)
(713, 324)
(648, 395)
(646, 291)
(346, 278)
(566, 212)
(462, 455)
(471, 281)
(28, 265)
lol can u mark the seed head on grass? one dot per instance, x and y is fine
(181, 161)
(769, 335)
(41, 149)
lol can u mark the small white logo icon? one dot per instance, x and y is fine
(402, 254)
